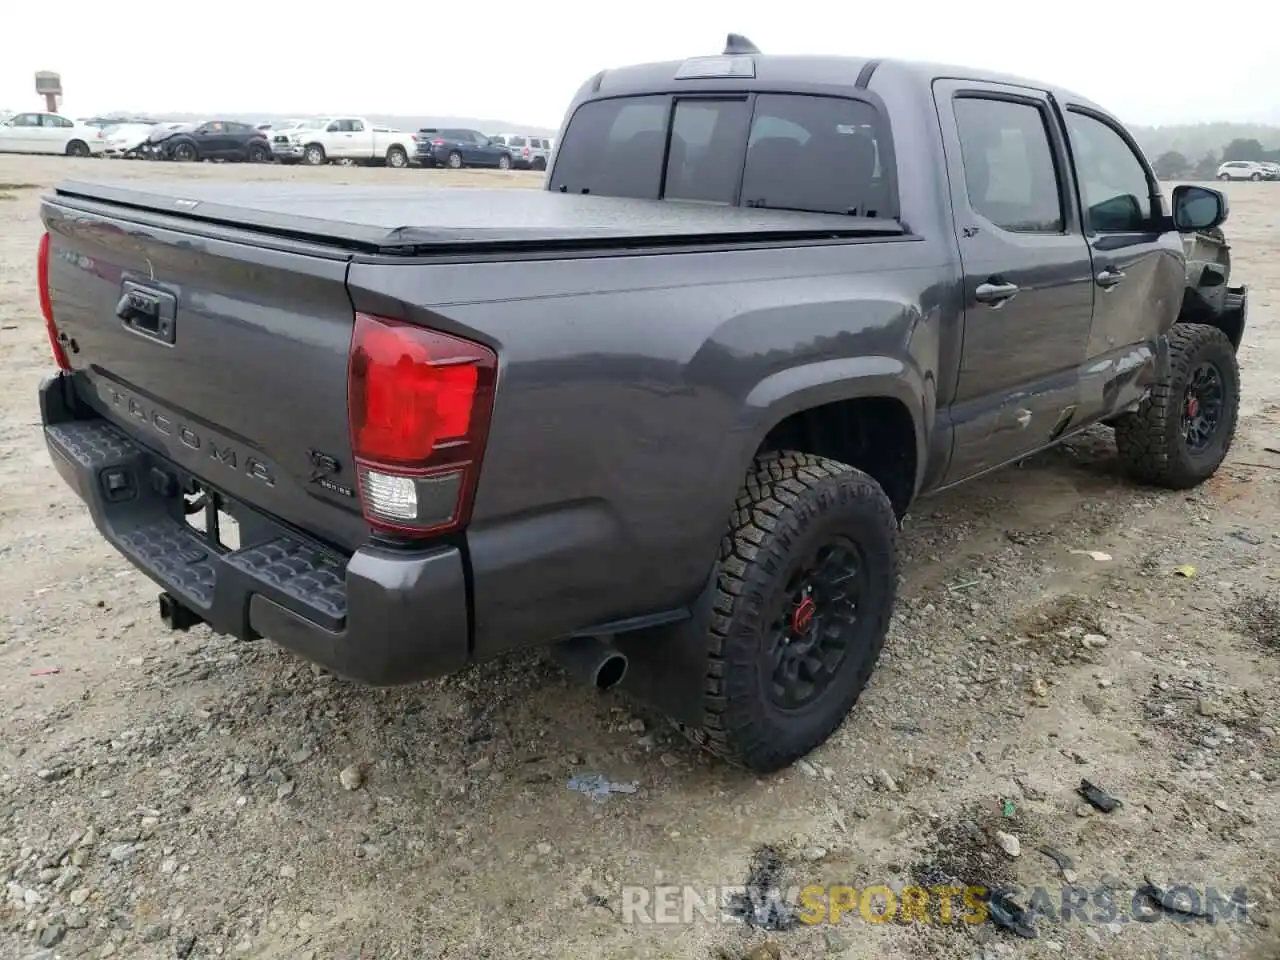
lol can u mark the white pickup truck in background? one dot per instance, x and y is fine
(343, 140)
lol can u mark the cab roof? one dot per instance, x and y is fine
(801, 71)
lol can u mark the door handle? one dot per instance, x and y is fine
(1109, 277)
(995, 293)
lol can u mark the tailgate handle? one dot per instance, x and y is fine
(150, 313)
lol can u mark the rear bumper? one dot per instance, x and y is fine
(380, 616)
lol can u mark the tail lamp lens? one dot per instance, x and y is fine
(419, 403)
(46, 303)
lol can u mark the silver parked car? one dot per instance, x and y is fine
(1244, 170)
(527, 153)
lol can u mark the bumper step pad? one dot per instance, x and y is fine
(292, 571)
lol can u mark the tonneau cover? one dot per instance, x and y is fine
(407, 218)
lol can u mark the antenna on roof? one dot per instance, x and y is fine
(737, 43)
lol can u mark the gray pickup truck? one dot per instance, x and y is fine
(664, 416)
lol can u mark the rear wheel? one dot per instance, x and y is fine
(1182, 432)
(259, 154)
(184, 153)
(805, 587)
(1224, 176)
(396, 157)
(539, 164)
(77, 148)
(313, 155)
(455, 160)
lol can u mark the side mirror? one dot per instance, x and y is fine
(1198, 208)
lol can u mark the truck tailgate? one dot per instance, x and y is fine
(227, 358)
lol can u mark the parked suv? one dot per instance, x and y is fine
(527, 153)
(1244, 170)
(457, 148)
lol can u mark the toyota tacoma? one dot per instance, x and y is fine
(664, 416)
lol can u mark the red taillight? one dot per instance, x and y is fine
(526, 151)
(419, 403)
(46, 303)
(437, 142)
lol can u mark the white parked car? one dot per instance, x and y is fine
(124, 139)
(345, 140)
(50, 133)
(1243, 170)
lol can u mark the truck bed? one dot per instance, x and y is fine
(417, 221)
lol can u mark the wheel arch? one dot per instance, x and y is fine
(870, 412)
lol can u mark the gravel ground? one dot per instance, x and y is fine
(181, 795)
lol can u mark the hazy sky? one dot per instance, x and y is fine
(498, 59)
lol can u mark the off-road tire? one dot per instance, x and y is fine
(788, 502)
(1150, 441)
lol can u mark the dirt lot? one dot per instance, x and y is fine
(183, 795)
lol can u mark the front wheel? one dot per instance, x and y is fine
(1256, 177)
(1224, 176)
(805, 587)
(1183, 430)
(184, 153)
(504, 162)
(313, 155)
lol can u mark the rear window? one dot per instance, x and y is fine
(784, 151)
(516, 142)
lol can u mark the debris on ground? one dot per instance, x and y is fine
(598, 787)
(1093, 555)
(1179, 901)
(762, 903)
(352, 777)
(1097, 797)
(1066, 866)
(1009, 843)
(1185, 570)
(1007, 913)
